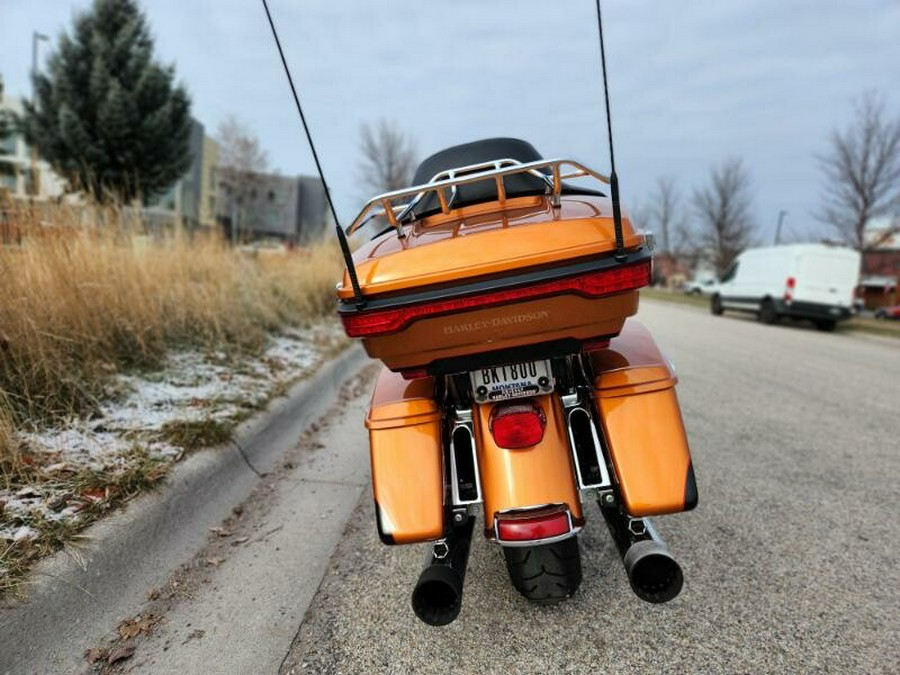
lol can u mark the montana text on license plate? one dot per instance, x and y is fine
(514, 380)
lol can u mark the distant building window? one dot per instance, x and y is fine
(271, 196)
(8, 146)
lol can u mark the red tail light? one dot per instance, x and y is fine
(789, 285)
(517, 425)
(524, 527)
(592, 285)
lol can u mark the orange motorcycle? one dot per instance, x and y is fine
(497, 292)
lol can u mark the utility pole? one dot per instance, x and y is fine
(34, 187)
(781, 215)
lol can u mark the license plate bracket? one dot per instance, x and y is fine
(513, 380)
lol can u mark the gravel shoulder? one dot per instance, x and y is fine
(790, 559)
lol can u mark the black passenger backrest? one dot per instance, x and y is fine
(476, 152)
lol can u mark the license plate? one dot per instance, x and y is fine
(514, 380)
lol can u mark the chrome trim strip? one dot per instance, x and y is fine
(463, 421)
(450, 179)
(598, 450)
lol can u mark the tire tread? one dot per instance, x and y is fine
(547, 574)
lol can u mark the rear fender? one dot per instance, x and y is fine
(535, 476)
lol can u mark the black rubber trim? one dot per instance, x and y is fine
(799, 309)
(494, 283)
(815, 310)
(691, 497)
(539, 351)
(385, 538)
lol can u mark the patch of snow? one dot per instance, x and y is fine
(192, 386)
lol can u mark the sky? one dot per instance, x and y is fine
(692, 83)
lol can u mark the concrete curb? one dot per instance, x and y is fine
(140, 546)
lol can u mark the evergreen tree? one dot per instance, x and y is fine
(107, 115)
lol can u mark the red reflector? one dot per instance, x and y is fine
(592, 285)
(535, 527)
(594, 345)
(517, 425)
(414, 373)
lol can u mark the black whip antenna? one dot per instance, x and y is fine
(613, 179)
(342, 237)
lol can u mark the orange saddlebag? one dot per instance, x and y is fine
(634, 392)
(405, 441)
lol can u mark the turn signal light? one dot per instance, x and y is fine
(532, 528)
(593, 285)
(517, 425)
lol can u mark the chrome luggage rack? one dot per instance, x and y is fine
(449, 180)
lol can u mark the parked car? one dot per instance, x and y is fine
(891, 312)
(807, 281)
(701, 286)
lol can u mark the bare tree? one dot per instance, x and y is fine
(639, 214)
(725, 226)
(666, 213)
(388, 157)
(241, 163)
(862, 170)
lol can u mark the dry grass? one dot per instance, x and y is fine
(86, 295)
(82, 302)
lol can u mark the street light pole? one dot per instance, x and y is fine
(34, 187)
(781, 215)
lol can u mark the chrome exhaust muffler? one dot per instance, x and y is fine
(437, 597)
(654, 574)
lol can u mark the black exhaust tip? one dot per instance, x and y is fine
(437, 598)
(655, 576)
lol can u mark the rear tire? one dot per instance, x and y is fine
(767, 312)
(715, 306)
(825, 325)
(547, 574)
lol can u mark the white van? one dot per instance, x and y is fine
(808, 281)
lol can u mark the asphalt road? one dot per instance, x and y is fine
(790, 560)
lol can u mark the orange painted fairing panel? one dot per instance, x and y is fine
(635, 398)
(483, 240)
(541, 474)
(521, 323)
(405, 444)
